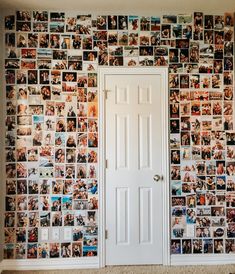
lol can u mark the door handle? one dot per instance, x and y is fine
(157, 178)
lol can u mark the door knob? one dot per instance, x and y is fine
(157, 178)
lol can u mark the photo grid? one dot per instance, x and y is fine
(51, 126)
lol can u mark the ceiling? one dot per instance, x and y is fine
(123, 6)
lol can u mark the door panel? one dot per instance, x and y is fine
(122, 206)
(145, 198)
(122, 141)
(133, 150)
(145, 146)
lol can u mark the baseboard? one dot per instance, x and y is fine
(52, 264)
(203, 259)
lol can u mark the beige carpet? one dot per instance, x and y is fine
(220, 269)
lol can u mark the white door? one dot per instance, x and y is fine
(134, 148)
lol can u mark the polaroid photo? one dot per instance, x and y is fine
(43, 251)
(10, 40)
(20, 235)
(9, 22)
(33, 235)
(112, 22)
(9, 251)
(206, 52)
(66, 250)
(21, 40)
(32, 251)
(92, 218)
(69, 218)
(179, 211)
(33, 219)
(80, 204)
(11, 92)
(146, 61)
(178, 233)
(59, 171)
(40, 27)
(133, 23)
(40, 16)
(87, 43)
(228, 49)
(71, 24)
(92, 77)
(21, 187)
(177, 31)
(90, 241)
(10, 187)
(230, 230)
(22, 219)
(218, 22)
(20, 251)
(87, 66)
(155, 38)
(67, 234)
(229, 246)
(9, 235)
(92, 187)
(44, 186)
(12, 64)
(122, 22)
(56, 92)
(56, 219)
(176, 188)
(45, 219)
(115, 61)
(54, 250)
(23, 15)
(33, 171)
(77, 234)
(228, 79)
(101, 22)
(67, 203)
(77, 249)
(23, 26)
(57, 186)
(29, 64)
(48, 140)
(103, 58)
(174, 140)
(123, 38)
(83, 24)
(208, 21)
(175, 247)
(10, 124)
(186, 246)
(155, 23)
(57, 16)
(76, 42)
(21, 203)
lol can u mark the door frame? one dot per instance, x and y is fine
(163, 72)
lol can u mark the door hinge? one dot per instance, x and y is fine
(106, 163)
(106, 93)
(106, 234)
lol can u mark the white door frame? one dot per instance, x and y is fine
(163, 72)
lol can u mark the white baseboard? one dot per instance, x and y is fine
(46, 264)
(203, 259)
(85, 263)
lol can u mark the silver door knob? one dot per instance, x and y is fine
(157, 178)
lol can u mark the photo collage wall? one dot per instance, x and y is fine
(51, 126)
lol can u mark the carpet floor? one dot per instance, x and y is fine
(152, 269)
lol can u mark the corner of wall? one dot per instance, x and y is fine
(2, 183)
